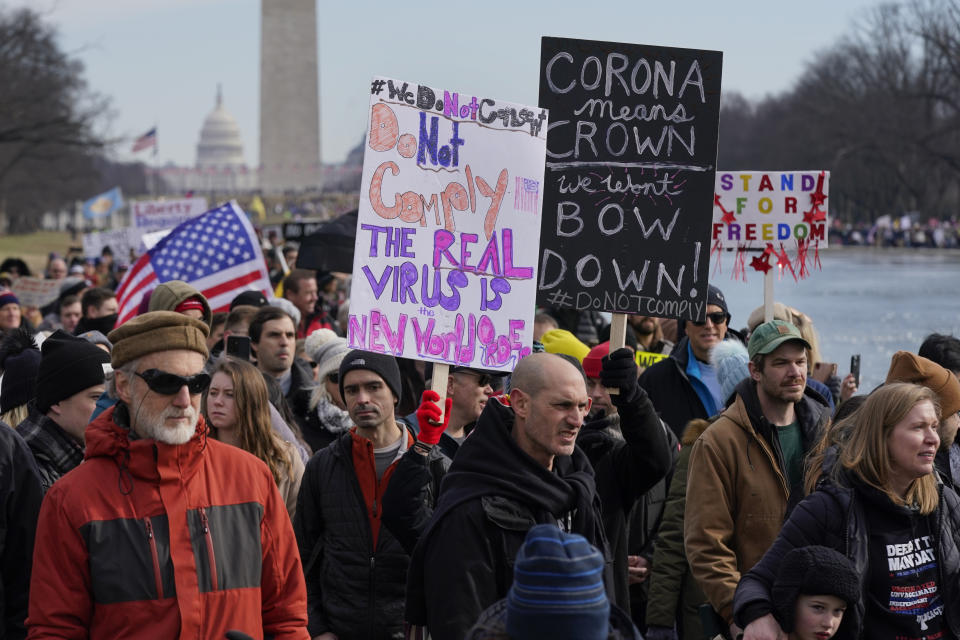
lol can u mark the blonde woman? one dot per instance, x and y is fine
(236, 408)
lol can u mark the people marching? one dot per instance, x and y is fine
(203, 471)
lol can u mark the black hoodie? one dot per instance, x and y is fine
(492, 495)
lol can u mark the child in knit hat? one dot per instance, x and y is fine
(816, 594)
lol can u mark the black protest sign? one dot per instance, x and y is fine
(631, 156)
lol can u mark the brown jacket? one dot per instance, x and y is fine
(737, 492)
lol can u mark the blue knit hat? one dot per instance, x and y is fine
(557, 590)
(730, 359)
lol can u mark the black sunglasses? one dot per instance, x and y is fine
(334, 377)
(717, 317)
(169, 384)
(484, 379)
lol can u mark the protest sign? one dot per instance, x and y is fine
(120, 241)
(754, 208)
(448, 227)
(629, 178)
(36, 292)
(152, 215)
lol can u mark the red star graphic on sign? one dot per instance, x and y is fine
(760, 263)
(728, 217)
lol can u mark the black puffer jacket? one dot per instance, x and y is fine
(20, 496)
(627, 462)
(836, 516)
(411, 496)
(492, 495)
(353, 590)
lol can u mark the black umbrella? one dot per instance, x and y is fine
(330, 247)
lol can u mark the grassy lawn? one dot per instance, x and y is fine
(34, 247)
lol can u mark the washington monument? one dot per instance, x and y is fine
(289, 96)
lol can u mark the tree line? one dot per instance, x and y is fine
(880, 109)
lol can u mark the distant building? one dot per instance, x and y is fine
(220, 165)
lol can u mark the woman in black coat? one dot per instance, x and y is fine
(881, 505)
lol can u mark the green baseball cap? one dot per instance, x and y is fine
(771, 335)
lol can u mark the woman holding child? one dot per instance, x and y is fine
(881, 505)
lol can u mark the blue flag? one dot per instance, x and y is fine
(103, 205)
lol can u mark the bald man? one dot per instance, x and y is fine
(519, 467)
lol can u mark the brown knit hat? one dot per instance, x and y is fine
(909, 367)
(157, 331)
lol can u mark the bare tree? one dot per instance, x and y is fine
(880, 109)
(47, 123)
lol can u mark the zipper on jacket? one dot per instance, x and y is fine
(372, 616)
(155, 556)
(210, 556)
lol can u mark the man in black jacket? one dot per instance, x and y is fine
(519, 467)
(355, 569)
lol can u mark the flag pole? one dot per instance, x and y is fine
(156, 154)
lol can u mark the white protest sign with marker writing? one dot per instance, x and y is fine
(448, 227)
(152, 215)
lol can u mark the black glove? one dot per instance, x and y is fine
(619, 371)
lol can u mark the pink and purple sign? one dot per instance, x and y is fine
(449, 227)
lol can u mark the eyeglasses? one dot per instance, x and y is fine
(717, 317)
(169, 384)
(313, 365)
(334, 377)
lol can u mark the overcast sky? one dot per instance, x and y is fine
(159, 61)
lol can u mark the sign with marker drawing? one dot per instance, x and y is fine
(448, 227)
(631, 155)
(754, 208)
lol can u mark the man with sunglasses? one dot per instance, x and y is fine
(684, 386)
(163, 532)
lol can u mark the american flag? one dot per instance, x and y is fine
(147, 140)
(217, 253)
(526, 195)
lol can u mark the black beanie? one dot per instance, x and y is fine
(68, 366)
(813, 571)
(19, 361)
(383, 365)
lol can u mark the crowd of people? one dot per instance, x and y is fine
(245, 473)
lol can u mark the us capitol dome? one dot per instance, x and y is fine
(220, 146)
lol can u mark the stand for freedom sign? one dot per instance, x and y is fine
(448, 227)
(629, 178)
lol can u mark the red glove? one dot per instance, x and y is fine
(428, 417)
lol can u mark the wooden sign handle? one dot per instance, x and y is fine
(438, 383)
(768, 296)
(618, 339)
